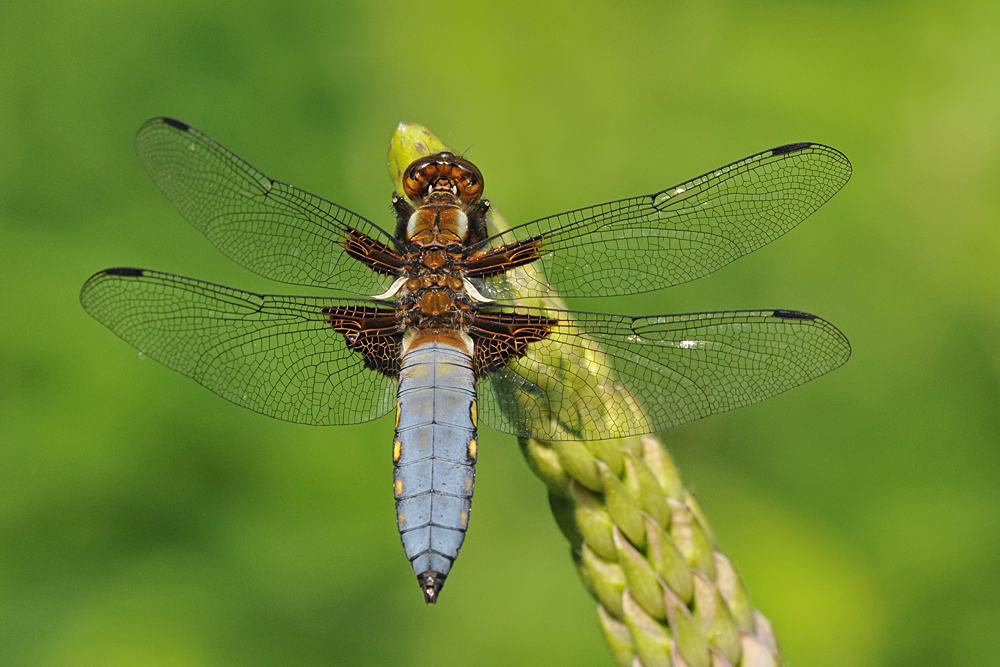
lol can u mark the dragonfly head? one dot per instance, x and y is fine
(443, 173)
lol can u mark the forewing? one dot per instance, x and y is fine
(276, 355)
(597, 376)
(666, 238)
(269, 227)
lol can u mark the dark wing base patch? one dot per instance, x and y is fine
(377, 256)
(500, 337)
(503, 259)
(372, 332)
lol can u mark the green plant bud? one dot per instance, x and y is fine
(604, 579)
(410, 142)
(641, 483)
(711, 612)
(593, 521)
(662, 466)
(608, 451)
(668, 561)
(756, 653)
(676, 659)
(719, 660)
(632, 444)
(642, 581)
(765, 633)
(699, 515)
(652, 639)
(689, 635)
(618, 637)
(563, 511)
(731, 587)
(691, 539)
(544, 462)
(579, 463)
(623, 508)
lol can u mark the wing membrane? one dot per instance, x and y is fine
(672, 236)
(607, 376)
(269, 227)
(276, 355)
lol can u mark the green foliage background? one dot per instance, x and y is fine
(144, 521)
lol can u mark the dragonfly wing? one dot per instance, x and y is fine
(665, 238)
(598, 376)
(300, 359)
(269, 227)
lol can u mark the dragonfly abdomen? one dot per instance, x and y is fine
(435, 452)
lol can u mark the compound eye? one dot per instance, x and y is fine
(471, 184)
(413, 182)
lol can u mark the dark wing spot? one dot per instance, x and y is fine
(172, 122)
(792, 315)
(790, 148)
(501, 336)
(124, 271)
(504, 258)
(378, 256)
(372, 332)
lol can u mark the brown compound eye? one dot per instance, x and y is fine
(467, 179)
(415, 179)
(422, 173)
(470, 183)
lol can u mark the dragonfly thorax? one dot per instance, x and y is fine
(438, 223)
(433, 291)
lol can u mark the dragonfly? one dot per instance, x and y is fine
(437, 328)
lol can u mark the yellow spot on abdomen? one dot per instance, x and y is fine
(399, 411)
(397, 450)
(468, 483)
(398, 487)
(464, 517)
(474, 415)
(400, 519)
(473, 449)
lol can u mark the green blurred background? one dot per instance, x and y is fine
(145, 521)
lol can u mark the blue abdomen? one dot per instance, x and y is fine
(435, 452)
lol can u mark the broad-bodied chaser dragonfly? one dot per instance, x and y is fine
(443, 335)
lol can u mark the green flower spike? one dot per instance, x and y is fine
(643, 547)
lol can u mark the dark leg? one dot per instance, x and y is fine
(403, 212)
(477, 222)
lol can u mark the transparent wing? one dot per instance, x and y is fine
(608, 376)
(276, 355)
(271, 228)
(672, 236)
